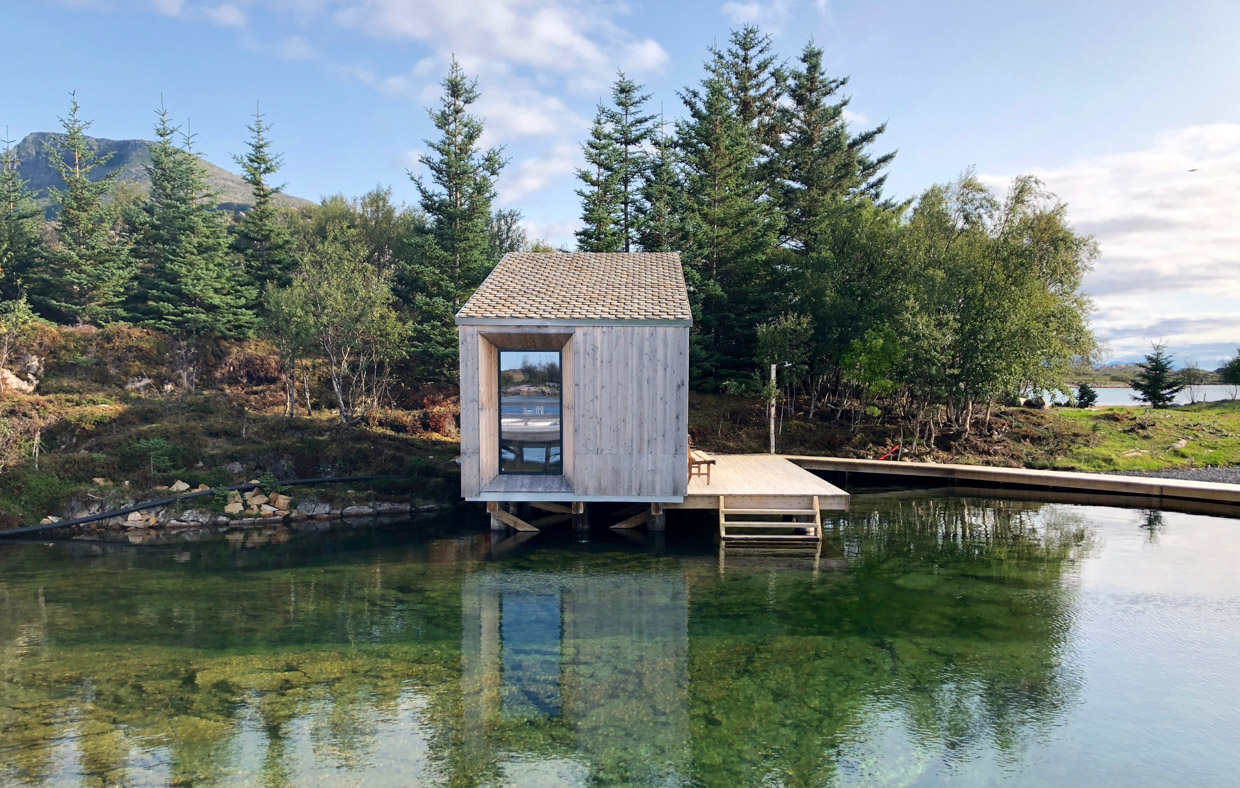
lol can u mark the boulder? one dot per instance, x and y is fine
(49, 520)
(310, 507)
(134, 517)
(1181, 443)
(281, 501)
(179, 486)
(390, 507)
(196, 516)
(234, 507)
(138, 384)
(361, 510)
(267, 510)
(99, 481)
(235, 468)
(256, 499)
(10, 382)
(201, 488)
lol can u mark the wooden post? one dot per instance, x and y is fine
(657, 520)
(771, 409)
(496, 523)
(581, 519)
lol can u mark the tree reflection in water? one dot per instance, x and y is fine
(387, 658)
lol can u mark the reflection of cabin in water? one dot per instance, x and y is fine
(575, 389)
(597, 662)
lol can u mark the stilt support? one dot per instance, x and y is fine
(657, 520)
(581, 517)
(507, 518)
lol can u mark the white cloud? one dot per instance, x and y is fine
(537, 172)
(1165, 218)
(577, 40)
(295, 48)
(771, 15)
(169, 7)
(225, 15)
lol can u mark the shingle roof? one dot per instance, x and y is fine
(582, 286)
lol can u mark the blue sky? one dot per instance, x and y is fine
(1111, 103)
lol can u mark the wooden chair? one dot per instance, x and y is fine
(699, 463)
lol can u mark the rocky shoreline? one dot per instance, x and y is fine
(252, 516)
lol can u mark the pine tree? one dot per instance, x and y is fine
(21, 223)
(190, 283)
(661, 204)
(601, 217)
(1156, 383)
(88, 267)
(262, 239)
(630, 131)
(730, 231)
(458, 197)
(455, 252)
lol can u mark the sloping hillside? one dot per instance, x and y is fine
(130, 158)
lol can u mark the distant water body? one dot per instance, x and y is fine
(1127, 396)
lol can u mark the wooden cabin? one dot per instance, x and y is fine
(575, 380)
(575, 389)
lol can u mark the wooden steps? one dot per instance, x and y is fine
(802, 527)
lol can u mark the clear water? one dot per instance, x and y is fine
(936, 641)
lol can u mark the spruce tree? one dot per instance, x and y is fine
(262, 238)
(630, 130)
(602, 221)
(661, 203)
(756, 83)
(730, 231)
(21, 224)
(88, 267)
(1156, 383)
(816, 162)
(458, 197)
(456, 251)
(190, 284)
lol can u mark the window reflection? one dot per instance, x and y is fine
(529, 407)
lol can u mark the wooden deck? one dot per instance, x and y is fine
(760, 481)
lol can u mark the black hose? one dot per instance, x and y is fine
(137, 507)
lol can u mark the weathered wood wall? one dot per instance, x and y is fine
(625, 406)
(632, 401)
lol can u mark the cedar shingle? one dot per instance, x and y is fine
(583, 286)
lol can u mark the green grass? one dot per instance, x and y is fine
(150, 442)
(1110, 439)
(1140, 439)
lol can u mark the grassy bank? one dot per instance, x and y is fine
(136, 445)
(1108, 439)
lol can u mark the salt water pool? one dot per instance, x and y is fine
(934, 641)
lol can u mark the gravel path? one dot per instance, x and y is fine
(1227, 475)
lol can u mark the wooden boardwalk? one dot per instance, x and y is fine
(760, 481)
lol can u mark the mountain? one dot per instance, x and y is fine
(130, 158)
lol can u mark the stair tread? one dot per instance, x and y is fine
(769, 538)
(770, 511)
(766, 524)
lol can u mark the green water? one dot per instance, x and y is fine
(934, 641)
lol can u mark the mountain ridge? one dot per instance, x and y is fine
(130, 158)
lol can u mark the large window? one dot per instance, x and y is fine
(529, 412)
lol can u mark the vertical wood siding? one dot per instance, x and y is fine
(625, 407)
(631, 392)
